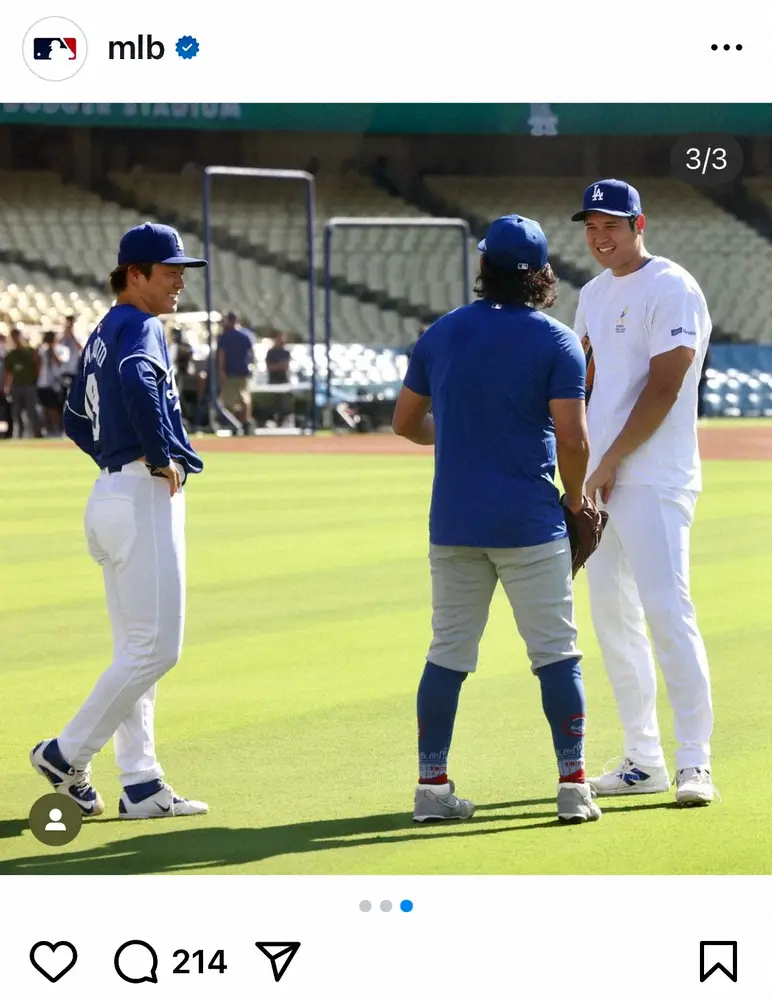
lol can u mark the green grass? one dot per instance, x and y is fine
(292, 710)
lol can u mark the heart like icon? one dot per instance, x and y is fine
(54, 962)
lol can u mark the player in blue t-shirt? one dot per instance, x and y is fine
(505, 384)
(123, 410)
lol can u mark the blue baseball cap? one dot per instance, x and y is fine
(611, 197)
(516, 243)
(156, 244)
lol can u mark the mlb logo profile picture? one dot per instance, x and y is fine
(55, 48)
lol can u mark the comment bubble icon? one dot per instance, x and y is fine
(136, 962)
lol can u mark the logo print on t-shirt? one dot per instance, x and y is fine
(620, 327)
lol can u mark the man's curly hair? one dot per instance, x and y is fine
(508, 287)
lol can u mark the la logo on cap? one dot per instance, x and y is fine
(597, 194)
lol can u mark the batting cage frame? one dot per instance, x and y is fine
(386, 222)
(266, 173)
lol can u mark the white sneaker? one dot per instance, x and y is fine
(631, 779)
(694, 786)
(575, 804)
(160, 805)
(439, 802)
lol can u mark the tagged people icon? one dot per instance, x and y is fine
(55, 820)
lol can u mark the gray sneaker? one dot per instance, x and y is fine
(431, 806)
(575, 804)
(694, 786)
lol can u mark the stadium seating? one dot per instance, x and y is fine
(63, 226)
(26, 298)
(351, 365)
(760, 188)
(683, 224)
(739, 381)
(58, 236)
(421, 265)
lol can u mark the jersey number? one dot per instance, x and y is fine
(92, 404)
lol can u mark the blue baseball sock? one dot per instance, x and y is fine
(562, 697)
(437, 703)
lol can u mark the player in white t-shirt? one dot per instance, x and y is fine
(648, 323)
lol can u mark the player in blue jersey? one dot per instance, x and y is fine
(506, 386)
(123, 410)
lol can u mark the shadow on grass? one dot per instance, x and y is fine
(12, 828)
(161, 847)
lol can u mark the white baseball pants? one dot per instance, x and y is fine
(640, 575)
(136, 532)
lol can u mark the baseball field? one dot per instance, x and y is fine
(292, 709)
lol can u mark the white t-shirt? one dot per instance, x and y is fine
(630, 320)
(69, 365)
(49, 371)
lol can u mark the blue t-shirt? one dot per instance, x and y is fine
(491, 372)
(237, 346)
(124, 403)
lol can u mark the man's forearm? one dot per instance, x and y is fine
(572, 466)
(423, 433)
(650, 410)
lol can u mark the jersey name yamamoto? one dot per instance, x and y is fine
(629, 321)
(127, 390)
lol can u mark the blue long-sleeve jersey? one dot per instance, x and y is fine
(124, 402)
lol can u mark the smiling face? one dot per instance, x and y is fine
(613, 243)
(159, 293)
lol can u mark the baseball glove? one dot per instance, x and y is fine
(585, 529)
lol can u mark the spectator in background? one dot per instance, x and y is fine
(190, 383)
(51, 357)
(69, 367)
(21, 378)
(235, 362)
(5, 406)
(277, 361)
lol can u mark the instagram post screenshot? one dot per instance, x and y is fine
(385, 462)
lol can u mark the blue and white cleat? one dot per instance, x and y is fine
(630, 778)
(47, 760)
(157, 800)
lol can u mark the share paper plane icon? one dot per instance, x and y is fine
(280, 955)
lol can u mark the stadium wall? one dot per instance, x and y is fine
(86, 154)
